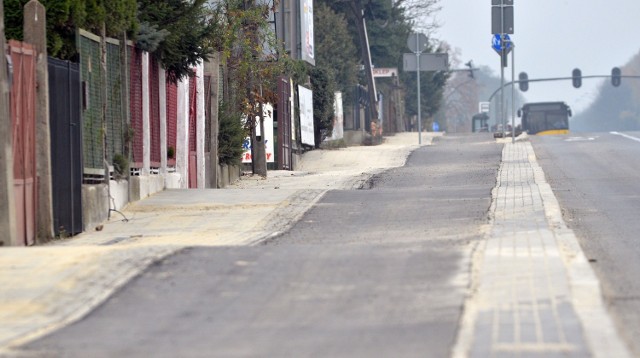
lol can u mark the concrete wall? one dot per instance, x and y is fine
(119, 191)
(234, 174)
(146, 111)
(295, 161)
(145, 185)
(228, 175)
(173, 181)
(95, 205)
(354, 137)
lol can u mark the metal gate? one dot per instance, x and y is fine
(135, 104)
(154, 113)
(193, 154)
(284, 124)
(172, 122)
(66, 146)
(23, 124)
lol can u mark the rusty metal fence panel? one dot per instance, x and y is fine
(193, 168)
(154, 115)
(135, 60)
(23, 125)
(172, 120)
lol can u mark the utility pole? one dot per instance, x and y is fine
(361, 25)
(7, 201)
(416, 61)
(35, 33)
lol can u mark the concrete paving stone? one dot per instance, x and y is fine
(524, 277)
(506, 333)
(549, 325)
(483, 339)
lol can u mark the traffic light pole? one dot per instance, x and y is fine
(553, 79)
(513, 93)
(419, 105)
(502, 119)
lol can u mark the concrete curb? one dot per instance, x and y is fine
(601, 338)
(586, 294)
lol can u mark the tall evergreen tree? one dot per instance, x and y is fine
(182, 30)
(335, 49)
(323, 88)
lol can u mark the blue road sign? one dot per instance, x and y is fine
(496, 44)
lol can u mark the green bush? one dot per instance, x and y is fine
(120, 165)
(323, 87)
(231, 136)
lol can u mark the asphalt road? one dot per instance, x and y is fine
(380, 272)
(596, 179)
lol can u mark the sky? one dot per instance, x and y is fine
(552, 37)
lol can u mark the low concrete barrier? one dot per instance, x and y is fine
(95, 205)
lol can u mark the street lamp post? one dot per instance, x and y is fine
(417, 52)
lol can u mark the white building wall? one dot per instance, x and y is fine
(182, 133)
(146, 126)
(163, 120)
(200, 124)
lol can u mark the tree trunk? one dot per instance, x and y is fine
(35, 33)
(260, 159)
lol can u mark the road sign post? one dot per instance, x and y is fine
(502, 24)
(418, 62)
(502, 17)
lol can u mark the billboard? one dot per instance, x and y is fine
(294, 132)
(306, 31)
(267, 110)
(384, 72)
(305, 97)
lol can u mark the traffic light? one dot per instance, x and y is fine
(577, 78)
(523, 81)
(615, 76)
(470, 65)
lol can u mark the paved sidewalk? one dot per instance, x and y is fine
(44, 288)
(534, 293)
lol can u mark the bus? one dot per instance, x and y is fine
(545, 118)
(479, 123)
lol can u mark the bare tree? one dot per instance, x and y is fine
(460, 98)
(423, 14)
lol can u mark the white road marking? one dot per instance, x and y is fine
(626, 136)
(579, 139)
